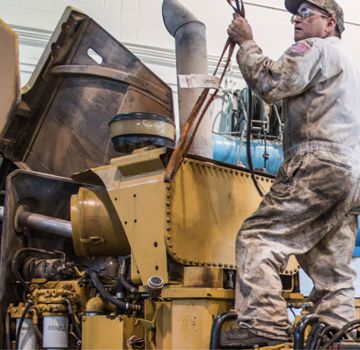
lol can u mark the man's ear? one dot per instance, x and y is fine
(331, 26)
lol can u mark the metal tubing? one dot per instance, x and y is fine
(45, 223)
(191, 57)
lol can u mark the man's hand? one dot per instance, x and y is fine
(239, 30)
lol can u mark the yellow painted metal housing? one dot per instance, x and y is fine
(194, 220)
(96, 227)
(102, 332)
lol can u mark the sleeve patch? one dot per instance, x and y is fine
(301, 48)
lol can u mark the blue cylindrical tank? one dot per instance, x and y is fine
(230, 149)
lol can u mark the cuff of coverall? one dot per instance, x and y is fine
(244, 47)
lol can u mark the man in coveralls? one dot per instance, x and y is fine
(310, 209)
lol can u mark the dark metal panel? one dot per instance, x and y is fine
(61, 125)
(27, 188)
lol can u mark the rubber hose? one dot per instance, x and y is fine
(123, 281)
(107, 296)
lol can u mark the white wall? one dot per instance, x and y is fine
(140, 22)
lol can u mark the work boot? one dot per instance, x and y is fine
(244, 338)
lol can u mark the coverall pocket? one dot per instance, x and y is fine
(285, 177)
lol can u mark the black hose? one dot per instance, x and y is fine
(299, 333)
(316, 335)
(248, 142)
(124, 283)
(124, 306)
(215, 338)
(122, 279)
(342, 332)
(327, 330)
(28, 304)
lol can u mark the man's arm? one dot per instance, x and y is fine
(297, 69)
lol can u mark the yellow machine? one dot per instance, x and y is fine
(169, 268)
(115, 257)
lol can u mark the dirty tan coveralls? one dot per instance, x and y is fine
(310, 208)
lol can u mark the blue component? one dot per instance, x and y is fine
(226, 149)
(356, 252)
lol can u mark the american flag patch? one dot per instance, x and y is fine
(300, 48)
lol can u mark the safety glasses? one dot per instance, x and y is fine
(306, 13)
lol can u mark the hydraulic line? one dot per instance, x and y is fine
(122, 279)
(248, 142)
(330, 330)
(215, 337)
(299, 333)
(107, 296)
(342, 332)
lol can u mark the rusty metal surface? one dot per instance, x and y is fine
(61, 125)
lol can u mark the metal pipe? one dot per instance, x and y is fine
(191, 57)
(44, 223)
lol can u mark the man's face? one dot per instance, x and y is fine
(314, 26)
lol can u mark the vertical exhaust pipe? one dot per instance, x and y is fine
(191, 57)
